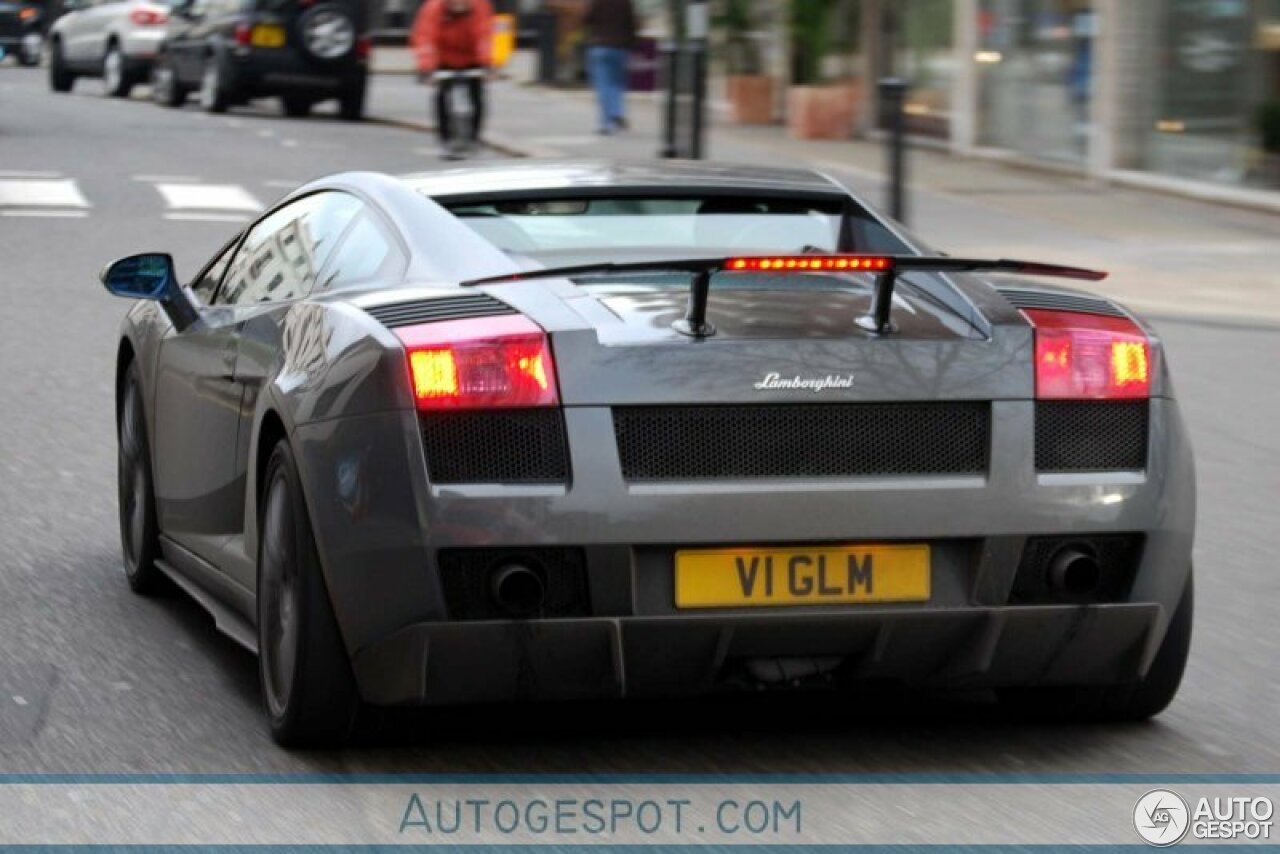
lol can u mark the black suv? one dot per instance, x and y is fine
(230, 51)
(21, 30)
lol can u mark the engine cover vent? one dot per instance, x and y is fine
(458, 307)
(1048, 301)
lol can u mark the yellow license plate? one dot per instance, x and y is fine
(264, 35)
(754, 577)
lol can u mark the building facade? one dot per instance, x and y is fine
(1177, 93)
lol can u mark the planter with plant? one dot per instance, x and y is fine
(816, 109)
(748, 88)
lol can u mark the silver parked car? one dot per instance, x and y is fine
(610, 430)
(116, 40)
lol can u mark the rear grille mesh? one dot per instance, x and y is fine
(441, 308)
(822, 440)
(496, 446)
(1091, 435)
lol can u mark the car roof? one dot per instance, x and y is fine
(518, 177)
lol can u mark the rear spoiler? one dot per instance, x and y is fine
(886, 269)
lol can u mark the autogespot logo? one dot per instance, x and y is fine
(1161, 817)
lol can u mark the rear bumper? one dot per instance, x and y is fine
(273, 71)
(381, 527)
(445, 663)
(141, 45)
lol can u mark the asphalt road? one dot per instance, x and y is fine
(93, 679)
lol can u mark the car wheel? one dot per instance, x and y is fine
(165, 88)
(351, 105)
(115, 75)
(139, 531)
(307, 685)
(60, 79)
(214, 97)
(29, 50)
(1136, 701)
(296, 106)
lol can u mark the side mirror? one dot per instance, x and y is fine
(151, 276)
(147, 276)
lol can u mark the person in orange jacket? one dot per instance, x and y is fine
(454, 35)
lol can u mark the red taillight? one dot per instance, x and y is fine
(798, 263)
(149, 17)
(242, 34)
(484, 363)
(364, 47)
(1089, 357)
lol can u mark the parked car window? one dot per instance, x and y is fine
(206, 282)
(365, 252)
(282, 255)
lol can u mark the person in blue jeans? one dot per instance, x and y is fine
(611, 36)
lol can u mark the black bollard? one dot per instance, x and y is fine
(670, 64)
(698, 68)
(893, 95)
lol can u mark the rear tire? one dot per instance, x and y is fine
(139, 531)
(214, 97)
(308, 688)
(1136, 701)
(351, 104)
(165, 88)
(60, 79)
(28, 57)
(296, 106)
(115, 73)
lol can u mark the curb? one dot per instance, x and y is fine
(494, 142)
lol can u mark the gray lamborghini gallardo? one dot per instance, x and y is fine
(593, 430)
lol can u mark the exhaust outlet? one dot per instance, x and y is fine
(1074, 571)
(517, 589)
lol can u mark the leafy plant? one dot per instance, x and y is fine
(810, 39)
(742, 53)
(1269, 126)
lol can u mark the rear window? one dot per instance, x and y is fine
(573, 230)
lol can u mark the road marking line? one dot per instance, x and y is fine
(167, 179)
(289, 143)
(281, 184)
(47, 214)
(21, 701)
(41, 193)
(208, 197)
(22, 173)
(197, 216)
(266, 133)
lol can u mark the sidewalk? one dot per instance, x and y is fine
(1167, 255)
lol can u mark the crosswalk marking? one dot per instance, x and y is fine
(41, 193)
(166, 179)
(28, 173)
(51, 213)
(220, 198)
(38, 193)
(206, 216)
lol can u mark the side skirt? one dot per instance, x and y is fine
(224, 600)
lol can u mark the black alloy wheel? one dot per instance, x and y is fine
(307, 684)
